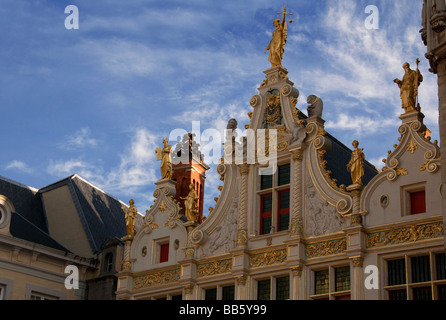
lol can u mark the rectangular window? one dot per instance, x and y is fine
(2, 292)
(210, 294)
(418, 202)
(396, 272)
(421, 270)
(264, 290)
(442, 292)
(266, 182)
(40, 296)
(177, 297)
(284, 210)
(266, 209)
(440, 266)
(228, 293)
(282, 288)
(284, 175)
(321, 281)
(425, 277)
(164, 252)
(342, 279)
(398, 295)
(424, 293)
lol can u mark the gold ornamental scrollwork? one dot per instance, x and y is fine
(407, 234)
(326, 248)
(267, 258)
(156, 279)
(214, 267)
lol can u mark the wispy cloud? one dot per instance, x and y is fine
(131, 177)
(80, 139)
(19, 166)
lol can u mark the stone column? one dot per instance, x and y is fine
(297, 293)
(356, 190)
(242, 234)
(357, 285)
(189, 292)
(241, 287)
(126, 263)
(296, 219)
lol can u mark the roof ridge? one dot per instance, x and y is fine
(19, 184)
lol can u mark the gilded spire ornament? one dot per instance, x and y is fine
(276, 46)
(164, 155)
(409, 88)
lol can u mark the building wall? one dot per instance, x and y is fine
(330, 226)
(63, 221)
(26, 268)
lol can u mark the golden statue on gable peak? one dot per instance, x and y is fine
(276, 46)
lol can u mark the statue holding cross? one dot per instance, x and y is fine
(276, 46)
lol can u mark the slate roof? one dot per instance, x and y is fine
(29, 220)
(100, 214)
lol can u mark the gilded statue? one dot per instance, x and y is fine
(356, 164)
(166, 160)
(130, 218)
(409, 87)
(276, 46)
(191, 204)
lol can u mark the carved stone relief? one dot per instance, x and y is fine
(321, 217)
(224, 238)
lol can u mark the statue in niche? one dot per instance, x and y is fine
(130, 218)
(191, 204)
(166, 160)
(356, 164)
(409, 88)
(315, 107)
(276, 46)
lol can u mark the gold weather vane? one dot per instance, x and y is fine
(276, 46)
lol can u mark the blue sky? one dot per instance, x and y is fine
(97, 101)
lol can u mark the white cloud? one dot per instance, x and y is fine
(81, 139)
(19, 166)
(131, 177)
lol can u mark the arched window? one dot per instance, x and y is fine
(108, 262)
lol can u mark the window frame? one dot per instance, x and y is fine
(332, 294)
(219, 288)
(409, 286)
(406, 198)
(272, 280)
(275, 192)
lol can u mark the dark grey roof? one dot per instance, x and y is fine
(101, 214)
(26, 201)
(28, 222)
(24, 229)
